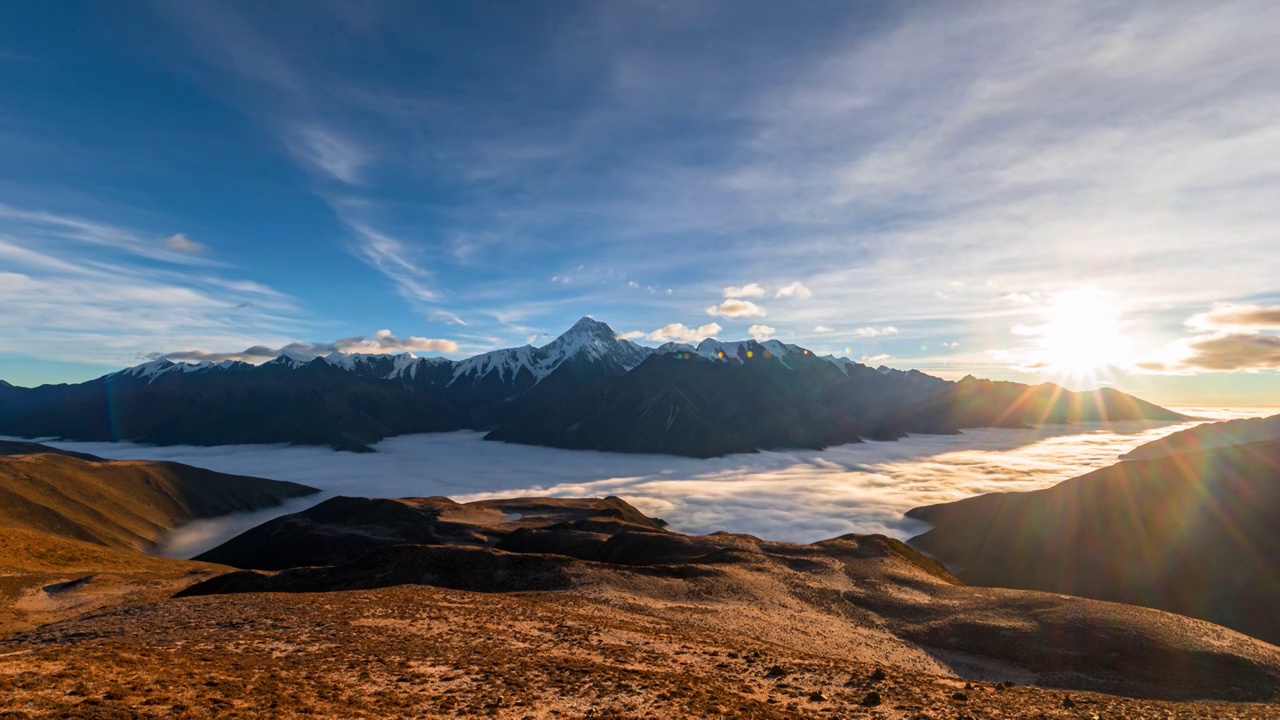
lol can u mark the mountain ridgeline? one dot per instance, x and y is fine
(587, 389)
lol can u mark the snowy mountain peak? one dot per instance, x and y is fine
(586, 330)
(735, 351)
(290, 359)
(148, 371)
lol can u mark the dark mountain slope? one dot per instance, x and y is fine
(1193, 533)
(685, 404)
(1210, 435)
(10, 447)
(991, 403)
(313, 404)
(342, 529)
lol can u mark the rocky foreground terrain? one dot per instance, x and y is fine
(553, 608)
(415, 651)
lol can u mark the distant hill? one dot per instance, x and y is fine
(10, 447)
(123, 503)
(72, 528)
(1209, 435)
(1193, 533)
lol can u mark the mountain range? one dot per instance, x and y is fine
(586, 389)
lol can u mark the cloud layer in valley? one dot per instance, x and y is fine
(797, 495)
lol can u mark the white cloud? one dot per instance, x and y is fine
(78, 307)
(734, 308)
(1233, 338)
(179, 242)
(383, 342)
(798, 495)
(741, 291)
(822, 329)
(876, 359)
(1237, 316)
(679, 332)
(761, 332)
(70, 230)
(632, 335)
(794, 290)
(870, 332)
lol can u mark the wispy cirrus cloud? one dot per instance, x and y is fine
(393, 259)
(113, 310)
(49, 227)
(329, 152)
(179, 242)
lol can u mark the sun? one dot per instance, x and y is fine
(1081, 334)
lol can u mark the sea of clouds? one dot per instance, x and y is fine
(801, 495)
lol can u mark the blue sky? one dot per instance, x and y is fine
(982, 187)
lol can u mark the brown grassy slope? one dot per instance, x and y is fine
(865, 597)
(44, 578)
(71, 518)
(1192, 533)
(427, 652)
(124, 503)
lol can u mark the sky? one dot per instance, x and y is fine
(1081, 192)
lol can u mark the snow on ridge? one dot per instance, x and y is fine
(588, 338)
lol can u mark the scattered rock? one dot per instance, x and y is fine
(959, 696)
(1068, 703)
(776, 671)
(878, 674)
(816, 696)
(871, 700)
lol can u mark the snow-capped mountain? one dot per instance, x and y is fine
(588, 341)
(736, 352)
